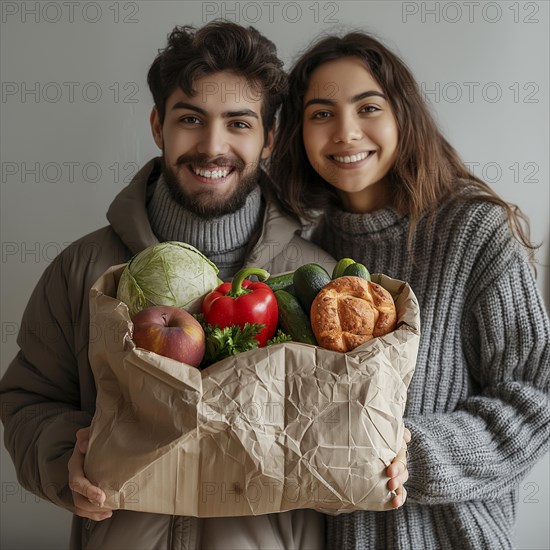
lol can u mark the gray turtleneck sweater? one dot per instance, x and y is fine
(478, 404)
(223, 240)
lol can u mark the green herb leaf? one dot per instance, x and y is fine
(200, 318)
(279, 338)
(224, 342)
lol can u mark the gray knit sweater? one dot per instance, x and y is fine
(478, 404)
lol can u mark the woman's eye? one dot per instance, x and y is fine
(321, 115)
(369, 109)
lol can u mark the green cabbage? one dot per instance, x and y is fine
(168, 274)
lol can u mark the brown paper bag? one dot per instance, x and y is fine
(279, 428)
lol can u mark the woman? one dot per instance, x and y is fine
(357, 144)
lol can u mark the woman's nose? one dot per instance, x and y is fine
(347, 130)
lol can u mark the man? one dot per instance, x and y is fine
(216, 92)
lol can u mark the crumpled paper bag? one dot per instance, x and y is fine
(284, 427)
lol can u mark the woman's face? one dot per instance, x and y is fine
(350, 133)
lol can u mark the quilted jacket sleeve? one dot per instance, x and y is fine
(39, 394)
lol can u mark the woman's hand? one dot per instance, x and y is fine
(398, 473)
(87, 498)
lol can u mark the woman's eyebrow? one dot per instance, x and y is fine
(354, 99)
(363, 95)
(319, 101)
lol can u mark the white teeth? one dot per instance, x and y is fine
(354, 158)
(214, 174)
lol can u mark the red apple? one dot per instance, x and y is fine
(170, 331)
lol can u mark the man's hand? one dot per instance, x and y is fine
(398, 473)
(87, 498)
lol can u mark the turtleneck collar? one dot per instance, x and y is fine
(224, 240)
(370, 222)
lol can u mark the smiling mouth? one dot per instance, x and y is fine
(351, 159)
(213, 174)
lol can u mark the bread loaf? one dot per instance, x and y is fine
(349, 311)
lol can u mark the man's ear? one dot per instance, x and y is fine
(268, 145)
(156, 128)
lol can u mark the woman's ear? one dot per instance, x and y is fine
(156, 128)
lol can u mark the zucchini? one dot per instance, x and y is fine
(357, 270)
(293, 319)
(309, 279)
(340, 267)
(280, 282)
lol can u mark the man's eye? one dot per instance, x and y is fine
(240, 124)
(190, 120)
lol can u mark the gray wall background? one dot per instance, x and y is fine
(75, 129)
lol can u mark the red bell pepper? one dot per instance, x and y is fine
(243, 301)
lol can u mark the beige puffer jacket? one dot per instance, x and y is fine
(48, 391)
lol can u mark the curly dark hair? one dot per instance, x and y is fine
(218, 46)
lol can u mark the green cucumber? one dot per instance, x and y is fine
(309, 279)
(291, 290)
(357, 270)
(341, 266)
(293, 319)
(280, 282)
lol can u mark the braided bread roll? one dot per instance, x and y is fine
(349, 311)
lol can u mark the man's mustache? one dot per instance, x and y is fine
(203, 161)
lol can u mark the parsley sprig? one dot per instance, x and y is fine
(228, 341)
(224, 342)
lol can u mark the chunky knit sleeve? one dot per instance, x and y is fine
(489, 442)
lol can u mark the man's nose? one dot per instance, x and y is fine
(213, 141)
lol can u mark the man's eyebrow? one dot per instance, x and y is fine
(354, 99)
(243, 112)
(190, 106)
(227, 114)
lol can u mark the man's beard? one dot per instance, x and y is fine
(203, 203)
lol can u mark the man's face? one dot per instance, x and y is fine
(212, 143)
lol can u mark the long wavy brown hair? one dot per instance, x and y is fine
(427, 169)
